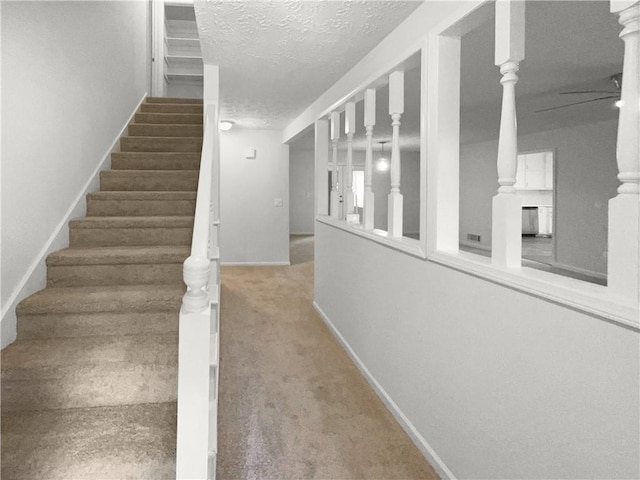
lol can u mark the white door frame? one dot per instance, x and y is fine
(157, 48)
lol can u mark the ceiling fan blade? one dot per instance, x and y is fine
(576, 103)
(588, 91)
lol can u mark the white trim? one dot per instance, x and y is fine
(76, 210)
(416, 437)
(576, 294)
(580, 271)
(255, 264)
(410, 246)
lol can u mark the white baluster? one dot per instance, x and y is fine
(396, 109)
(350, 128)
(335, 136)
(195, 273)
(624, 209)
(507, 205)
(369, 122)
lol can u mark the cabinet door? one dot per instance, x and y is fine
(535, 171)
(548, 170)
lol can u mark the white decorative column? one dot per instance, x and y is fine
(321, 154)
(506, 229)
(369, 122)
(396, 109)
(624, 209)
(350, 128)
(335, 136)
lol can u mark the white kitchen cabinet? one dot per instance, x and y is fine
(535, 171)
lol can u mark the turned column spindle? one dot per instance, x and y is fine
(350, 129)
(623, 257)
(369, 123)
(507, 205)
(396, 109)
(335, 136)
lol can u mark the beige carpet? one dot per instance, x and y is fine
(89, 387)
(292, 404)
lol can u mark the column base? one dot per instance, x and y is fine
(335, 204)
(506, 231)
(394, 216)
(368, 211)
(623, 256)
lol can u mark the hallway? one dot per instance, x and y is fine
(292, 404)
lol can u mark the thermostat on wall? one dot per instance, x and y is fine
(250, 153)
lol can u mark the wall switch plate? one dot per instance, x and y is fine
(277, 202)
(250, 153)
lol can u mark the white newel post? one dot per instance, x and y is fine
(624, 209)
(335, 136)
(396, 109)
(506, 228)
(369, 122)
(350, 128)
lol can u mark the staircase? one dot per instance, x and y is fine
(89, 387)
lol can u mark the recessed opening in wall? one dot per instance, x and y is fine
(566, 89)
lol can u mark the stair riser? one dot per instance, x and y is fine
(92, 388)
(137, 208)
(94, 324)
(113, 237)
(165, 130)
(170, 182)
(170, 108)
(132, 274)
(169, 118)
(165, 100)
(160, 144)
(129, 163)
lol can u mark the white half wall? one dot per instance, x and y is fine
(72, 74)
(586, 179)
(302, 188)
(253, 229)
(499, 384)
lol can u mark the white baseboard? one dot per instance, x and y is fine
(429, 453)
(581, 271)
(255, 264)
(35, 277)
(301, 234)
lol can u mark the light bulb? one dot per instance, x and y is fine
(619, 103)
(382, 165)
(226, 125)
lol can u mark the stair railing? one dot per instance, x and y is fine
(198, 357)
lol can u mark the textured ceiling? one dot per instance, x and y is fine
(277, 57)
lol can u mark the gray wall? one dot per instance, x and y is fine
(253, 230)
(499, 383)
(586, 179)
(72, 74)
(301, 188)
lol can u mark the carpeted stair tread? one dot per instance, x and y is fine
(160, 144)
(176, 221)
(168, 130)
(127, 441)
(119, 255)
(155, 160)
(136, 203)
(196, 101)
(149, 180)
(112, 298)
(172, 118)
(171, 108)
(151, 195)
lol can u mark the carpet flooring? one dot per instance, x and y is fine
(292, 404)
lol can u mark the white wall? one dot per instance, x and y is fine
(252, 229)
(301, 188)
(586, 179)
(500, 384)
(72, 74)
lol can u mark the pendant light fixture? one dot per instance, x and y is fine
(382, 164)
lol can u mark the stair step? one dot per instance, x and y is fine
(169, 130)
(197, 101)
(169, 118)
(116, 266)
(123, 231)
(128, 441)
(161, 144)
(89, 372)
(149, 180)
(155, 161)
(171, 108)
(141, 203)
(103, 299)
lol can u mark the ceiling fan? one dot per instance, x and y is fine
(616, 80)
